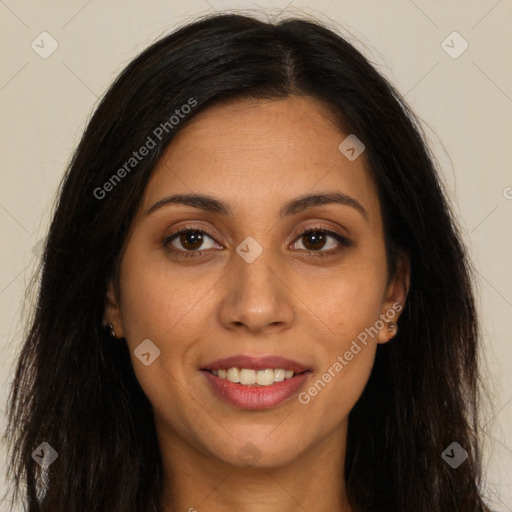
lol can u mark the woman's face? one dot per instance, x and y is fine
(245, 281)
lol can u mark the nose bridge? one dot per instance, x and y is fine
(256, 278)
(256, 296)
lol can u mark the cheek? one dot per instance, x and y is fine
(349, 303)
(156, 301)
(148, 306)
(348, 355)
(168, 307)
(158, 305)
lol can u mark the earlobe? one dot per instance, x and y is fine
(112, 315)
(389, 324)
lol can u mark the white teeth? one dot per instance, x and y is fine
(247, 376)
(265, 377)
(252, 377)
(233, 375)
(279, 375)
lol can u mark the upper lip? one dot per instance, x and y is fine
(256, 363)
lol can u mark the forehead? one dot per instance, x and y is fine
(261, 152)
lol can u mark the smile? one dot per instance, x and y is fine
(249, 377)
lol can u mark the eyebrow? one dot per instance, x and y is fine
(299, 204)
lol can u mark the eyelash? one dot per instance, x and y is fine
(343, 241)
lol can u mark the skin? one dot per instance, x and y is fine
(255, 156)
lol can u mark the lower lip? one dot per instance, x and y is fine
(256, 397)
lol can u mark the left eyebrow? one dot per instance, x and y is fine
(299, 204)
(311, 200)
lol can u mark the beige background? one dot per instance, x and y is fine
(465, 105)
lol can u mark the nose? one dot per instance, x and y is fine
(256, 298)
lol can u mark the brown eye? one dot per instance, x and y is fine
(314, 240)
(189, 242)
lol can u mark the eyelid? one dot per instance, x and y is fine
(193, 227)
(166, 242)
(300, 231)
(342, 241)
(317, 226)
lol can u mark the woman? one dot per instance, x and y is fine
(254, 295)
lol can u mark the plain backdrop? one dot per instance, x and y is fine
(464, 99)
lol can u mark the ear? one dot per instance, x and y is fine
(396, 295)
(112, 313)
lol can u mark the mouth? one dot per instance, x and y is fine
(256, 383)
